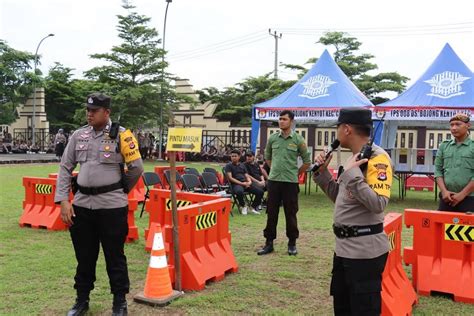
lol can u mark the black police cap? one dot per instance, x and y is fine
(98, 100)
(356, 116)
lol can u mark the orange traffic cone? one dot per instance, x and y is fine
(158, 290)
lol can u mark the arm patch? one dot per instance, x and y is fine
(129, 147)
(380, 175)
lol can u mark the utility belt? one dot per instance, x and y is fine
(99, 190)
(356, 231)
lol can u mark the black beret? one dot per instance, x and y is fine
(356, 116)
(98, 100)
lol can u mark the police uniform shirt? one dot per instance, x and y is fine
(60, 138)
(99, 158)
(360, 199)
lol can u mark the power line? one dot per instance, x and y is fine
(389, 31)
(232, 41)
(383, 34)
(460, 24)
(218, 50)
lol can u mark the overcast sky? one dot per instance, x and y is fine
(220, 42)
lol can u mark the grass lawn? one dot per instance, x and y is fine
(37, 266)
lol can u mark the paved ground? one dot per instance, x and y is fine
(26, 158)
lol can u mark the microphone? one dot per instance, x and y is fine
(332, 148)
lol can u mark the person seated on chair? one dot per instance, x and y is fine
(203, 154)
(23, 148)
(254, 171)
(212, 153)
(256, 174)
(240, 181)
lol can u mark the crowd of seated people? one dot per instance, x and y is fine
(15, 147)
(212, 153)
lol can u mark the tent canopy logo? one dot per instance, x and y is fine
(446, 85)
(316, 87)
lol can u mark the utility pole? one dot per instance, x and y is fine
(276, 37)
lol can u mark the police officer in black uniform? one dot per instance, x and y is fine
(98, 215)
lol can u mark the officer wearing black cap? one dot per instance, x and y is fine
(361, 194)
(98, 215)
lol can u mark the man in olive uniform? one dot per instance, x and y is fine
(361, 194)
(281, 154)
(454, 167)
(98, 215)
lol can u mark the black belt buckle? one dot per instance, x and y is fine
(342, 231)
(356, 231)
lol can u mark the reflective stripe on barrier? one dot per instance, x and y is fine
(39, 209)
(442, 256)
(158, 206)
(398, 295)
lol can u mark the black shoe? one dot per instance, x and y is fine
(120, 309)
(268, 248)
(292, 250)
(80, 308)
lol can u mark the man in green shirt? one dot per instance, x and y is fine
(281, 155)
(454, 168)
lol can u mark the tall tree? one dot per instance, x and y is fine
(60, 97)
(134, 72)
(65, 97)
(15, 80)
(358, 68)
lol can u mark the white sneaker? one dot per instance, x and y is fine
(253, 211)
(244, 210)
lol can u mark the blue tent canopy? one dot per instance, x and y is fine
(445, 88)
(447, 84)
(317, 97)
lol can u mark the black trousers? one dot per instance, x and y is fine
(59, 149)
(466, 205)
(278, 193)
(356, 285)
(92, 228)
(239, 193)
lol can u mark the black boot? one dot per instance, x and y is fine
(268, 248)
(292, 248)
(119, 307)
(80, 308)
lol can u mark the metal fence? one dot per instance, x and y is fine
(42, 135)
(220, 139)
